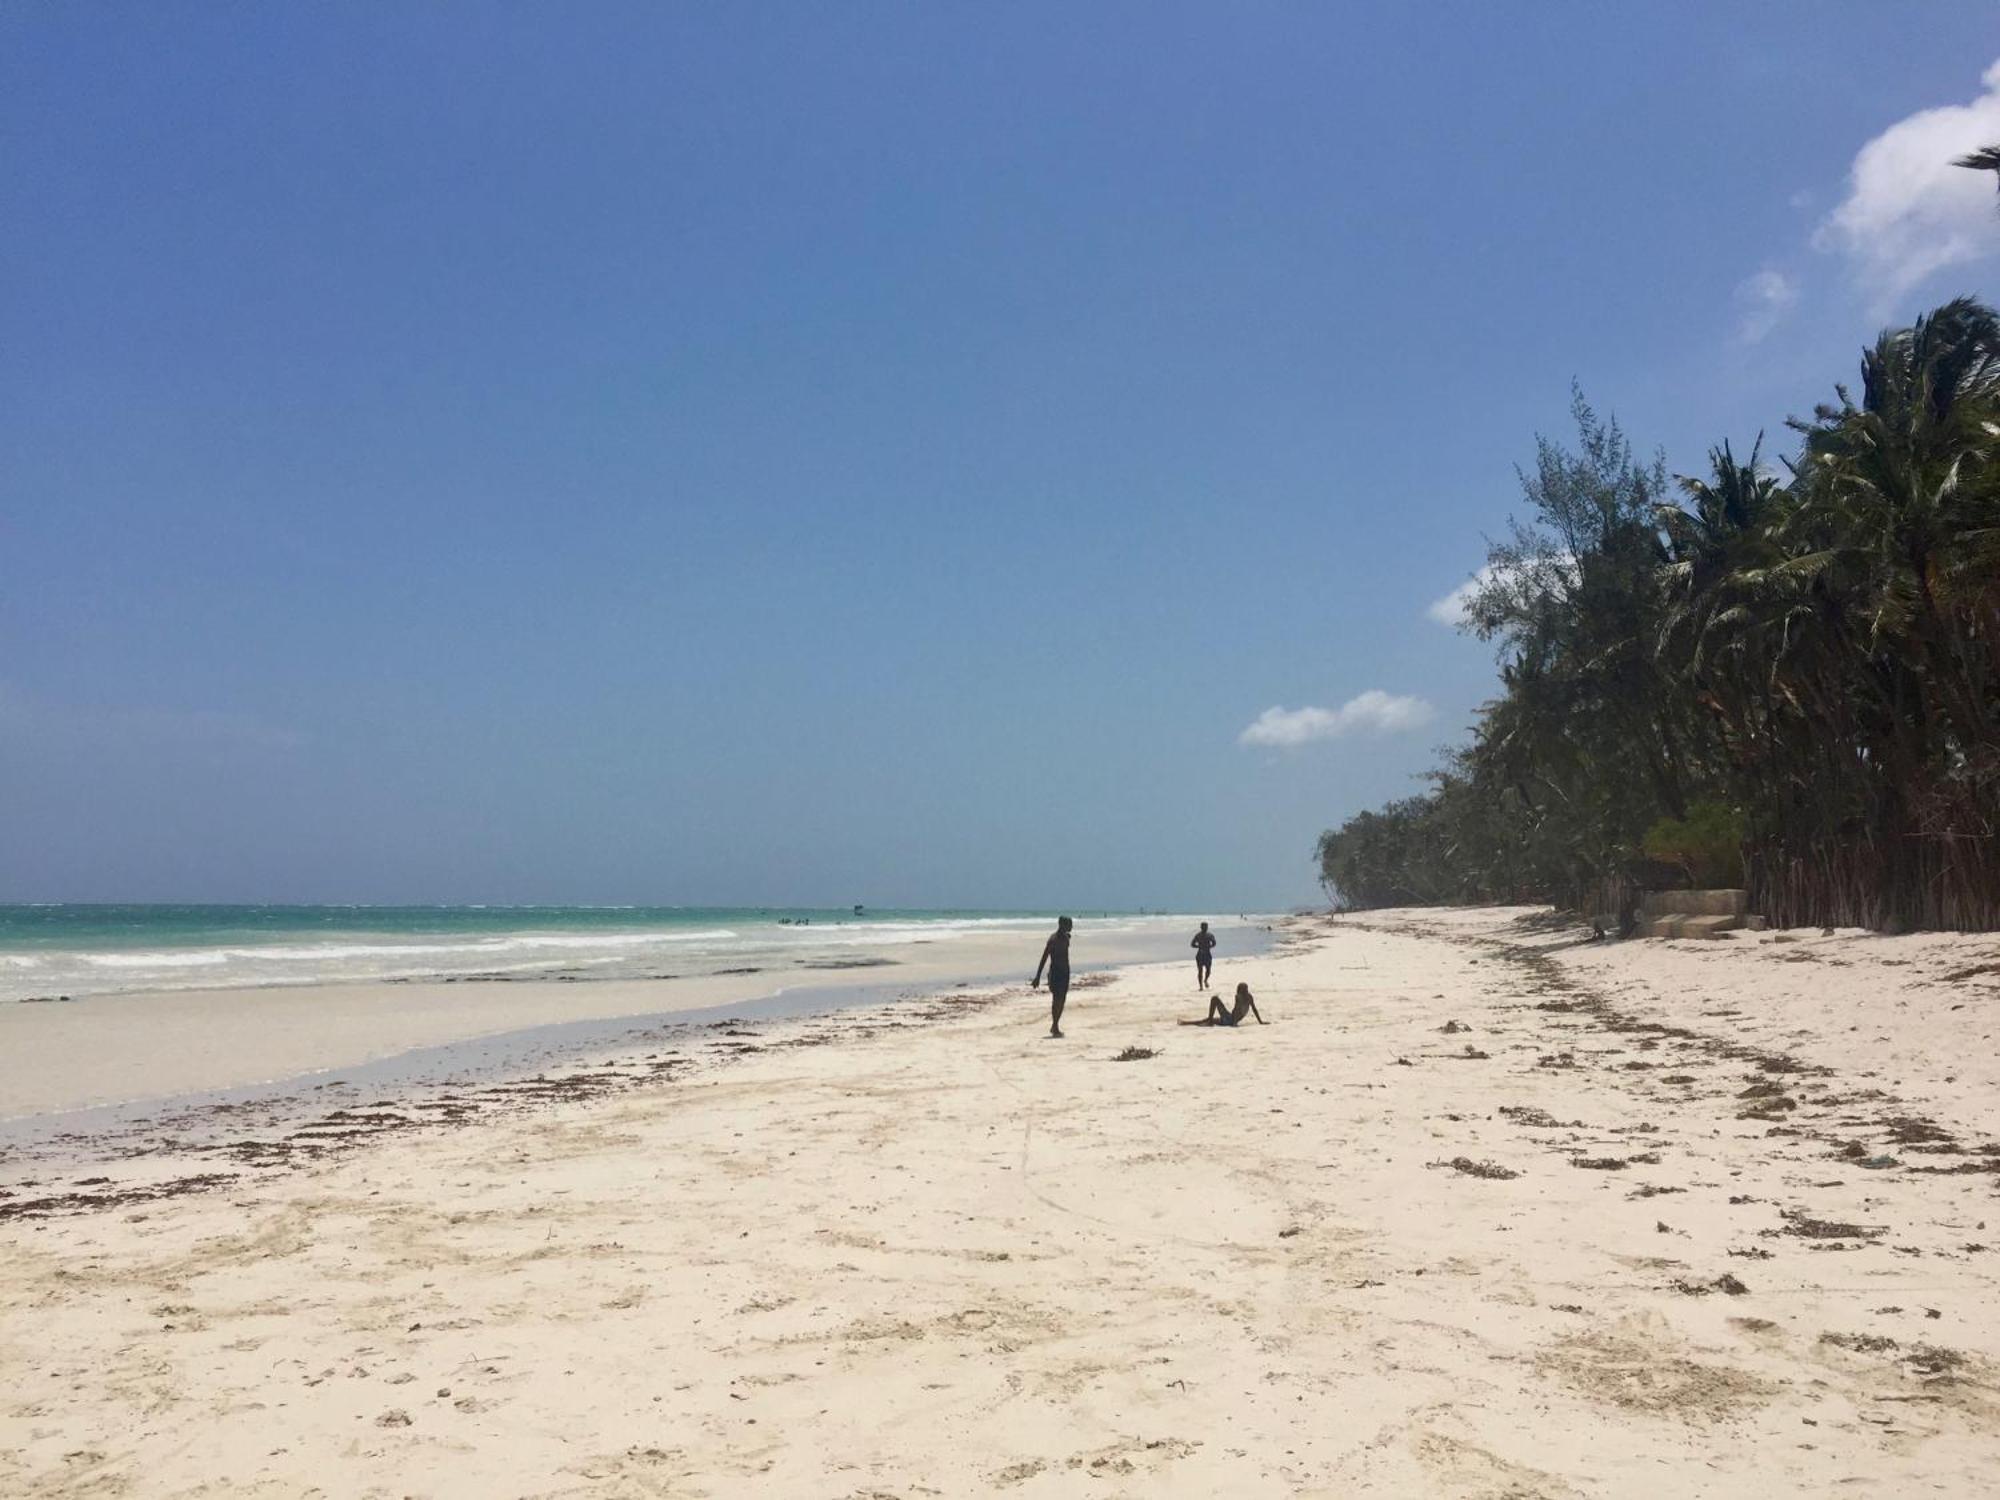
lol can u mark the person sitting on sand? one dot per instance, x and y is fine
(1055, 957)
(1204, 956)
(1246, 1005)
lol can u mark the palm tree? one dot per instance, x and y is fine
(1985, 159)
(1903, 486)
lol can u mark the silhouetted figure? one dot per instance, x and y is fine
(1204, 956)
(1055, 958)
(1246, 1005)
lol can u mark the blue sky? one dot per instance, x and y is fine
(874, 453)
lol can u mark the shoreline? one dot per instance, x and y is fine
(127, 1051)
(1483, 1211)
(61, 954)
(202, 1142)
(261, 1124)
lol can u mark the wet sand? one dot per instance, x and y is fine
(1483, 1213)
(110, 1049)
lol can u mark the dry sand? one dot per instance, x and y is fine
(1480, 1214)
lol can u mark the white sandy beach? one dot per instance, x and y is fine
(1743, 1251)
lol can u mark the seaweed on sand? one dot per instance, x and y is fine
(1466, 1166)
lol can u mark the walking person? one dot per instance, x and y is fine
(1055, 958)
(1204, 956)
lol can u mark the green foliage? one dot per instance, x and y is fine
(1707, 844)
(1820, 653)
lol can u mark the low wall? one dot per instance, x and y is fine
(1694, 904)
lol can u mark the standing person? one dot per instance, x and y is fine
(1204, 956)
(1055, 958)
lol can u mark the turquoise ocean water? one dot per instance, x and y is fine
(51, 951)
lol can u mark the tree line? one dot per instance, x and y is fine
(1783, 679)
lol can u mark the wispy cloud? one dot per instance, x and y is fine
(159, 728)
(1909, 213)
(1372, 712)
(1762, 301)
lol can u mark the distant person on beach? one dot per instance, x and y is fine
(1204, 956)
(1246, 1005)
(1055, 958)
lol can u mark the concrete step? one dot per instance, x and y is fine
(1694, 904)
(1686, 925)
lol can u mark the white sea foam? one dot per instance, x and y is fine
(614, 939)
(290, 953)
(186, 959)
(363, 956)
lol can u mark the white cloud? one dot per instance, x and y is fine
(1450, 610)
(1552, 571)
(1762, 302)
(155, 728)
(1909, 212)
(1372, 712)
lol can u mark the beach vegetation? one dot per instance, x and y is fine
(1785, 678)
(1706, 845)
